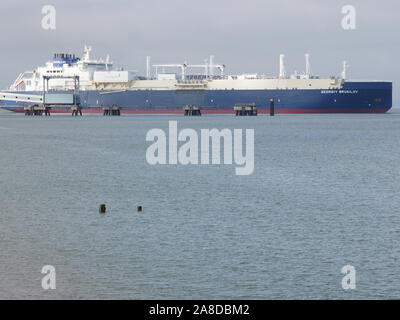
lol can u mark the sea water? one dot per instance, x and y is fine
(325, 193)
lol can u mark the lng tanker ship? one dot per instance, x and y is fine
(166, 88)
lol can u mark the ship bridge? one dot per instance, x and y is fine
(64, 58)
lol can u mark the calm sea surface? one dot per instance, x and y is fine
(325, 193)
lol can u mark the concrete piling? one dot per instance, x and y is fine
(192, 110)
(245, 109)
(37, 110)
(113, 110)
(47, 111)
(76, 110)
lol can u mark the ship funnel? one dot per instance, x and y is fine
(282, 71)
(308, 66)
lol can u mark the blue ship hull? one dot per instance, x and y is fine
(354, 97)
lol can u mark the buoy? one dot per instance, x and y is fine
(102, 208)
(139, 208)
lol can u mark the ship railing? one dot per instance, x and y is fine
(191, 83)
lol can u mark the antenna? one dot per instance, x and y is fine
(344, 72)
(107, 61)
(86, 53)
(148, 69)
(308, 66)
(282, 72)
(211, 66)
(206, 67)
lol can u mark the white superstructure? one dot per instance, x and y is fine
(65, 65)
(99, 74)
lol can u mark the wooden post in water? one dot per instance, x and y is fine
(102, 208)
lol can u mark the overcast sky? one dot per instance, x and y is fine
(247, 36)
